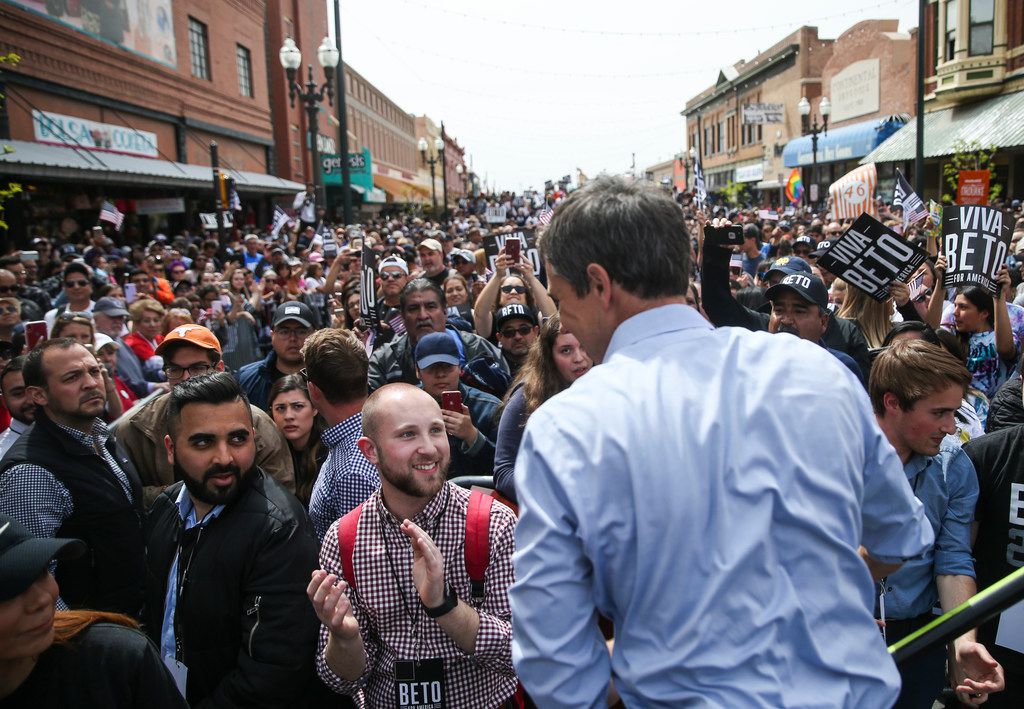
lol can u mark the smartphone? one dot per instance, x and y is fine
(35, 332)
(130, 293)
(452, 400)
(514, 249)
(217, 307)
(29, 255)
(730, 235)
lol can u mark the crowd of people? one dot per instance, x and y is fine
(569, 470)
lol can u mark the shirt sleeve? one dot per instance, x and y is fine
(34, 497)
(557, 648)
(895, 527)
(953, 542)
(510, 435)
(494, 638)
(330, 561)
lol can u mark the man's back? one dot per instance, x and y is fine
(705, 493)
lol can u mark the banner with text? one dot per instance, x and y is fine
(972, 187)
(761, 113)
(870, 256)
(975, 241)
(494, 242)
(854, 193)
(496, 214)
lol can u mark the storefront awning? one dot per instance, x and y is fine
(401, 190)
(840, 144)
(995, 121)
(56, 162)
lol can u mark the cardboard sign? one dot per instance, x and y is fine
(494, 242)
(870, 256)
(496, 215)
(975, 241)
(972, 187)
(209, 220)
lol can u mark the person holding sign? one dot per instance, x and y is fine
(519, 286)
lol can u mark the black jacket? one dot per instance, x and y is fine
(247, 631)
(108, 576)
(1006, 408)
(724, 310)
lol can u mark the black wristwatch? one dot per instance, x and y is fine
(447, 605)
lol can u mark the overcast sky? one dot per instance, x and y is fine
(535, 89)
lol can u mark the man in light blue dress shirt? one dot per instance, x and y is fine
(712, 492)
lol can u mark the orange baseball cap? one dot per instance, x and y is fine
(196, 335)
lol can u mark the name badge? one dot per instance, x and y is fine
(419, 684)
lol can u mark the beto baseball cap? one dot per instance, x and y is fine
(24, 557)
(435, 348)
(196, 335)
(299, 312)
(823, 246)
(512, 311)
(810, 288)
(788, 265)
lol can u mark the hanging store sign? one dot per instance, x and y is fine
(70, 131)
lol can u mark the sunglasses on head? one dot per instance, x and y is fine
(69, 315)
(522, 330)
(513, 289)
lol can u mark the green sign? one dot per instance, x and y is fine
(359, 169)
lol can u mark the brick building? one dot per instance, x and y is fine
(750, 153)
(122, 104)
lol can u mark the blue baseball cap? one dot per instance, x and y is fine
(788, 265)
(437, 347)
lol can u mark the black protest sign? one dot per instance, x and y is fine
(976, 241)
(494, 242)
(368, 287)
(870, 256)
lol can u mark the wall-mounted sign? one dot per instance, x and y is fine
(58, 129)
(761, 113)
(360, 169)
(166, 205)
(855, 90)
(750, 173)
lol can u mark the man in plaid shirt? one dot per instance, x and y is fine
(407, 626)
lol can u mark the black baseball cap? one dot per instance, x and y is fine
(24, 558)
(293, 310)
(512, 311)
(823, 246)
(810, 288)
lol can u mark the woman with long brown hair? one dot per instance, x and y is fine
(555, 361)
(301, 425)
(79, 659)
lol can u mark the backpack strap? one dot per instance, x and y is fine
(478, 540)
(347, 527)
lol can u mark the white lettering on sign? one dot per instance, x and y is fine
(964, 249)
(419, 693)
(1017, 503)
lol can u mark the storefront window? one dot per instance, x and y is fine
(982, 17)
(950, 43)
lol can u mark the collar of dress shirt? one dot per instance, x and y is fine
(428, 517)
(656, 321)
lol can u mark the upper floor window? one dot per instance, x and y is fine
(949, 44)
(243, 61)
(199, 49)
(982, 19)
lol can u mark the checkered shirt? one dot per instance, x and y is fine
(346, 478)
(35, 497)
(479, 681)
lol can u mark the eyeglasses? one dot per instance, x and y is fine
(198, 369)
(392, 276)
(8, 289)
(296, 332)
(522, 331)
(513, 289)
(81, 283)
(68, 315)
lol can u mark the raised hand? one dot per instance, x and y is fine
(326, 592)
(427, 565)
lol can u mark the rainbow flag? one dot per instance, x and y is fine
(794, 187)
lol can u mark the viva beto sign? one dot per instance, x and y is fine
(71, 131)
(359, 169)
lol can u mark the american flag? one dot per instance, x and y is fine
(109, 213)
(545, 216)
(234, 201)
(280, 219)
(905, 198)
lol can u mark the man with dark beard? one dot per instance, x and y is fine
(418, 632)
(229, 552)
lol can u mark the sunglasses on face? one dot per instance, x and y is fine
(392, 276)
(81, 283)
(513, 289)
(522, 331)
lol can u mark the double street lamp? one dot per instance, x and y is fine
(809, 125)
(432, 159)
(311, 95)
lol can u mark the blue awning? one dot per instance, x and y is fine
(847, 143)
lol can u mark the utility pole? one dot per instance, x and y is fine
(919, 148)
(346, 177)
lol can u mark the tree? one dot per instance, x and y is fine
(12, 188)
(970, 156)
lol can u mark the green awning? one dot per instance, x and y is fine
(994, 121)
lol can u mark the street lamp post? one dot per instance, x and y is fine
(432, 160)
(444, 174)
(461, 172)
(809, 124)
(291, 59)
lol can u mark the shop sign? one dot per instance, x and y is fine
(70, 131)
(855, 90)
(750, 173)
(762, 113)
(972, 187)
(360, 169)
(168, 205)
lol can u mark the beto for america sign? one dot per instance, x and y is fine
(976, 241)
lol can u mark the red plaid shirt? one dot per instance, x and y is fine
(478, 681)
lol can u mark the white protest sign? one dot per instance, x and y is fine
(209, 220)
(496, 215)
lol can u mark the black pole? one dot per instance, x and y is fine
(218, 206)
(919, 149)
(346, 177)
(433, 186)
(444, 174)
(312, 109)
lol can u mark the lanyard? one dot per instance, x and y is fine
(384, 524)
(182, 579)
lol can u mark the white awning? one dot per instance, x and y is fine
(80, 165)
